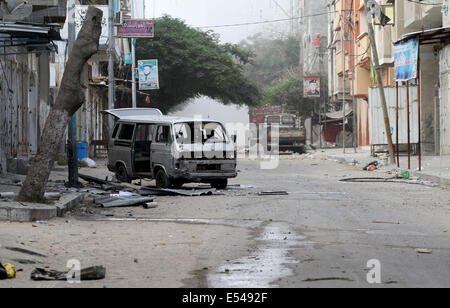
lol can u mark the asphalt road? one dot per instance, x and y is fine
(320, 235)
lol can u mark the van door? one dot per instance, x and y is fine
(123, 147)
(161, 149)
(142, 144)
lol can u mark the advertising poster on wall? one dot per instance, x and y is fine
(148, 75)
(311, 87)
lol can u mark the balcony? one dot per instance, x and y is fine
(48, 11)
(422, 17)
(363, 51)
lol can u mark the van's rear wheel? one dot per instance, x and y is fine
(220, 184)
(162, 180)
(122, 175)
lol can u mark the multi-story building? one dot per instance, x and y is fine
(348, 24)
(27, 41)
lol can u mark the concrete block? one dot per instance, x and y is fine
(18, 212)
(68, 202)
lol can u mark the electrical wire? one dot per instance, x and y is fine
(267, 21)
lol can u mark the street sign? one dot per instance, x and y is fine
(138, 28)
(148, 75)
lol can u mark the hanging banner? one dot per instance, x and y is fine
(148, 75)
(311, 87)
(406, 59)
(137, 28)
(80, 16)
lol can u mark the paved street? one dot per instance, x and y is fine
(321, 235)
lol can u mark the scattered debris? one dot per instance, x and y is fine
(327, 279)
(372, 166)
(26, 251)
(10, 270)
(3, 273)
(8, 195)
(273, 193)
(149, 191)
(91, 179)
(151, 205)
(25, 262)
(386, 222)
(405, 175)
(424, 251)
(120, 201)
(91, 273)
(89, 162)
(388, 180)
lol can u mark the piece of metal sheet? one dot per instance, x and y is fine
(176, 192)
(109, 202)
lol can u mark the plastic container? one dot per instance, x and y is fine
(82, 150)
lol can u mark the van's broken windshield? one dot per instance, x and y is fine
(196, 132)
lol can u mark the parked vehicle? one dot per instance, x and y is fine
(292, 134)
(173, 151)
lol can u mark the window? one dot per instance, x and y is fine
(126, 132)
(144, 132)
(163, 134)
(116, 129)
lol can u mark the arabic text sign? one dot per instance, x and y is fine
(136, 28)
(148, 75)
(80, 16)
(311, 87)
(406, 59)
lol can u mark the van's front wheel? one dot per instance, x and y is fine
(122, 175)
(162, 180)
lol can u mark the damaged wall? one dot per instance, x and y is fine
(24, 95)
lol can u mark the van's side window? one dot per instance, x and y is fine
(116, 129)
(126, 132)
(163, 134)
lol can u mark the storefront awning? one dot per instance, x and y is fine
(22, 38)
(427, 37)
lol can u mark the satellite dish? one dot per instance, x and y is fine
(15, 10)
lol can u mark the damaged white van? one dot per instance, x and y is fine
(173, 151)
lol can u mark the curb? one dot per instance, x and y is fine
(29, 212)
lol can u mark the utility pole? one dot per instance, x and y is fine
(72, 154)
(353, 61)
(133, 59)
(111, 50)
(344, 40)
(376, 62)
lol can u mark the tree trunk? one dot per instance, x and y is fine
(70, 99)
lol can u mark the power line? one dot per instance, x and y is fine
(268, 21)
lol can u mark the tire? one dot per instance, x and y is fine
(122, 175)
(162, 180)
(220, 184)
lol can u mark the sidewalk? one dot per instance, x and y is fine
(434, 168)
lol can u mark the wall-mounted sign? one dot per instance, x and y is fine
(406, 59)
(311, 87)
(148, 75)
(137, 28)
(80, 16)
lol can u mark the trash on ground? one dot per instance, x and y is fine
(372, 166)
(405, 174)
(3, 273)
(424, 251)
(10, 270)
(91, 273)
(124, 194)
(150, 191)
(150, 205)
(7, 195)
(273, 193)
(91, 179)
(26, 251)
(89, 162)
(121, 201)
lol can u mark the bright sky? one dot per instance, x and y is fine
(222, 12)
